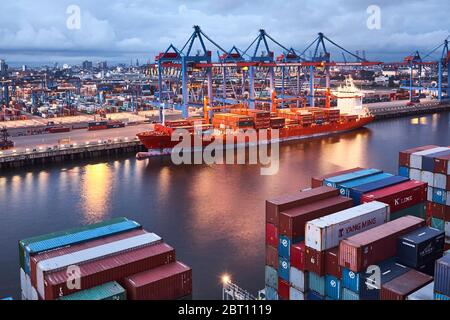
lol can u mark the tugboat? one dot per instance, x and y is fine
(5, 143)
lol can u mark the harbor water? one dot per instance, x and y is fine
(213, 215)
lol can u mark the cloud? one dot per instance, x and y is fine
(148, 27)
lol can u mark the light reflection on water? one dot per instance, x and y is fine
(212, 215)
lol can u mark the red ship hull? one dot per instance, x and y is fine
(161, 138)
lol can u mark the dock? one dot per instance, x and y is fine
(385, 112)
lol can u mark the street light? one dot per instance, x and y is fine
(226, 279)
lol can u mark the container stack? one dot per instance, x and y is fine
(442, 278)
(430, 164)
(111, 260)
(232, 121)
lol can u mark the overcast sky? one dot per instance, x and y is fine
(36, 30)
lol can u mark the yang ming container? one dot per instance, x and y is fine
(107, 291)
(338, 180)
(420, 246)
(293, 221)
(275, 206)
(56, 240)
(317, 182)
(372, 246)
(111, 268)
(326, 232)
(401, 287)
(168, 282)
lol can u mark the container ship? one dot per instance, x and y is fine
(292, 124)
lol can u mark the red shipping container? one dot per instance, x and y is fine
(34, 260)
(372, 246)
(283, 289)
(272, 257)
(404, 156)
(400, 196)
(332, 266)
(113, 268)
(292, 222)
(441, 165)
(436, 210)
(275, 206)
(401, 287)
(168, 282)
(315, 261)
(317, 182)
(298, 256)
(271, 235)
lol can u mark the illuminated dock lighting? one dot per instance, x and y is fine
(226, 279)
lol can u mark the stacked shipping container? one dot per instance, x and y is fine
(95, 262)
(430, 164)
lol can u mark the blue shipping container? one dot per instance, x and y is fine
(350, 280)
(357, 192)
(334, 181)
(403, 171)
(75, 238)
(284, 247)
(333, 288)
(9, 298)
(271, 294)
(439, 196)
(311, 295)
(428, 160)
(283, 268)
(442, 276)
(317, 283)
(345, 189)
(271, 277)
(442, 297)
(349, 295)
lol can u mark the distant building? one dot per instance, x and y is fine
(24, 68)
(87, 65)
(3, 68)
(102, 65)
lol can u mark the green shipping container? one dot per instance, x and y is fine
(419, 210)
(25, 242)
(107, 291)
(438, 224)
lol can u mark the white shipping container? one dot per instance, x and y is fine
(414, 174)
(91, 254)
(440, 181)
(294, 294)
(428, 177)
(298, 279)
(430, 194)
(448, 199)
(416, 158)
(326, 232)
(425, 293)
(23, 284)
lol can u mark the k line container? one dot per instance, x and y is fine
(442, 276)
(326, 232)
(375, 245)
(316, 283)
(318, 181)
(420, 246)
(75, 232)
(299, 279)
(400, 196)
(274, 206)
(111, 268)
(338, 180)
(91, 254)
(168, 282)
(416, 159)
(35, 259)
(404, 156)
(425, 293)
(271, 276)
(333, 287)
(293, 221)
(401, 287)
(107, 291)
(345, 189)
(357, 192)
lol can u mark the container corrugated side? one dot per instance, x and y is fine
(404, 156)
(107, 291)
(335, 181)
(442, 275)
(404, 285)
(425, 293)
(23, 243)
(316, 283)
(346, 187)
(372, 246)
(357, 192)
(76, 258)
(318, 181)
(326, 232)
(417, 157)
(349, 295)
(111, 268)
(168, 282)
(35, 259)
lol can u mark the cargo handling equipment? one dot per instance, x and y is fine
(5, 142)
